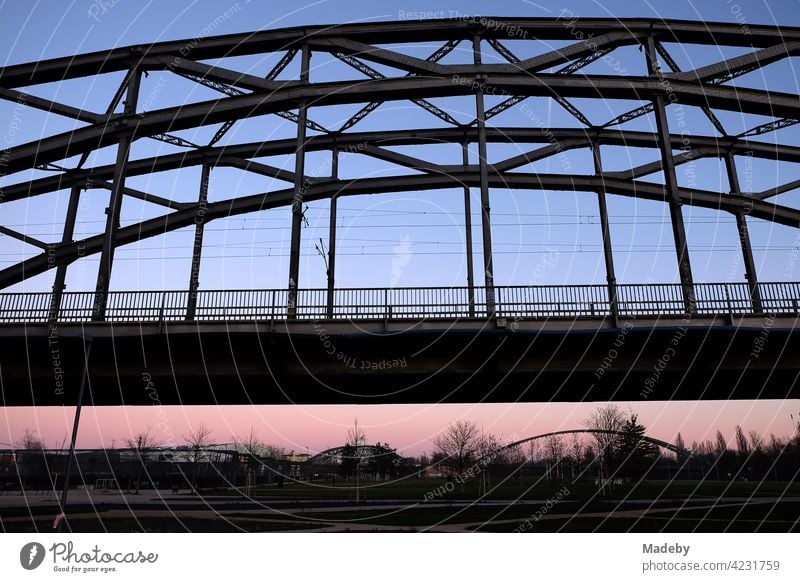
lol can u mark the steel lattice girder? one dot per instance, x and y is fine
(322, 190)
(220, 110)
(566, 138)
(399, 32)
(249, 96)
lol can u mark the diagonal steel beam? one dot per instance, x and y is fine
(657, 166)
(262, 169)
(373, 74)
(138, 194)
(676, 69)
(729, 69)
(769, 127)
(788, 187)
(24, 238)
(434, 57)
(281, 65)
(227, 82)
(538, 154)
(51, 106)
(381, 56)
(630, 115)
(115, 100)
(403, 160)
(568, 70)
(584, 61)
(576, 51)
(218, 78)
(502, 50)
(174, 140)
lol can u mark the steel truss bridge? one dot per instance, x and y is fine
(473, 343)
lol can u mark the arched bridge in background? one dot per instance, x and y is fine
(365, 452)
(475, 343)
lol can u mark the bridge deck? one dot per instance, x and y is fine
(404, 346)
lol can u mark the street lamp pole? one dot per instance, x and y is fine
(87, 351)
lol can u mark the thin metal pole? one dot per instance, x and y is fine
(332, 237)
(299, 191)
(87, 352)
(66, 238)
(468, 232)
(671, 182)
(199, 227)
(115, 205)
(488, 268)
(611, 277)
(750, 272)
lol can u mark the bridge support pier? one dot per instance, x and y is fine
(115, 204)
(468, 235)
(486, 223)
(66, 238)
(750, 272)
(332, 238)
(671, 183)
(299, 191)
(608, 254)
(197, 250)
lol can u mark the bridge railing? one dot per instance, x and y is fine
(523, 302)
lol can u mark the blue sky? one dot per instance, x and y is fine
(408, 239)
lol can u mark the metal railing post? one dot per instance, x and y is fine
(728, 302)
(161, 309)
(386, 309)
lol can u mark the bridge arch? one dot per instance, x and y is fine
(658, 442)
(557, 74)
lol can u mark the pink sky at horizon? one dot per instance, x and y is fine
(409, 428)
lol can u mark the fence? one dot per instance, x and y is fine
(524, 302)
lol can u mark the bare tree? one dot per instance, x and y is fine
(533, 451)
(576, 447)
(742, 444)
(30, 441)
(756, 441)
(721, 445)
(34, 455)
(607, 418)
(252, 444)
(680, 456)
(515, 455)
(355, 436)
(197, 439)
(555, 453)
(458, 443)
(141, 444)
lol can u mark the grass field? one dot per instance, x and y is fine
(511, 505)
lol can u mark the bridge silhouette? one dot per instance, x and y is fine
(472, 343)
(372, 451)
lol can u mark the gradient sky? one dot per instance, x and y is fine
(250, 251)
